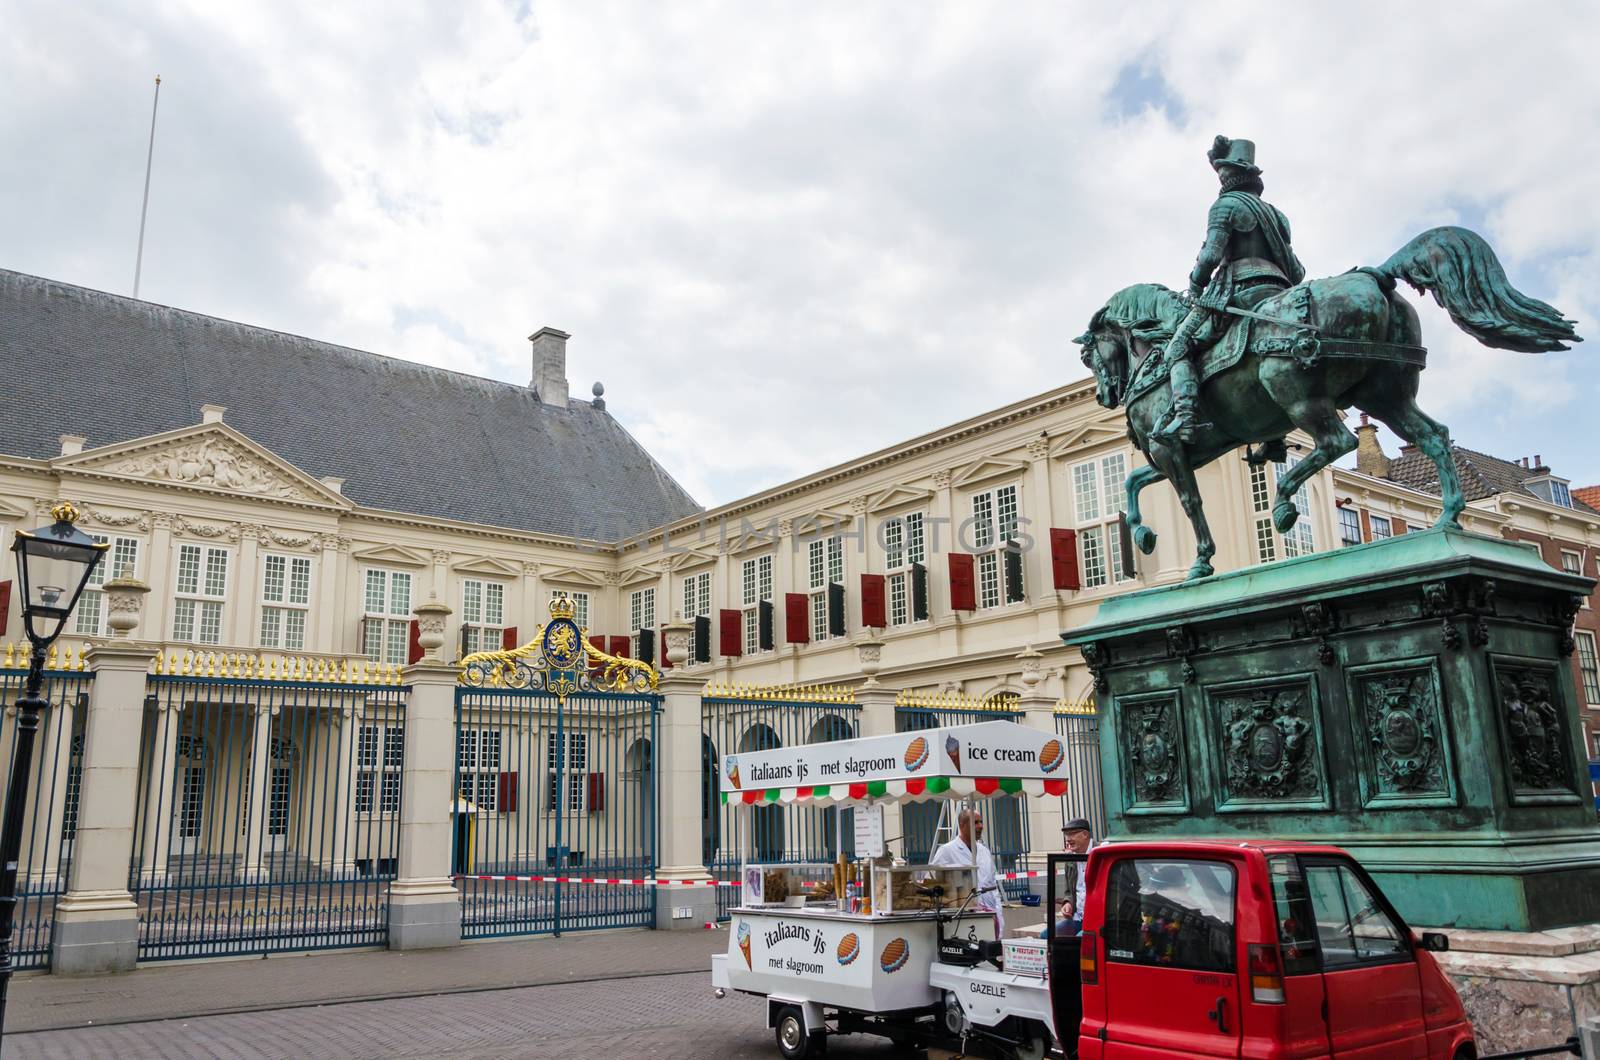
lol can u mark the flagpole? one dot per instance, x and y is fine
(138, 260)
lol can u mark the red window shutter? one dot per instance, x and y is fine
(1398, 526)
(731, 632)
(873, 614)
(620, 646)
(5, 607)
(508, 638)
(796, 618)
(414, 645)
(506, 796)
(1064, 558)
(599, 644)
(597, 792)
(1366, 526)
(963, 582)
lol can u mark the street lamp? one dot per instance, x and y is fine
(53, 565)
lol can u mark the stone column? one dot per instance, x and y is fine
(424, 908)
(679, 783)
(242, 614)
(331, 617)
(156, 835)
(1039, 508)
(158, 569)
(346, 769)
(1038, 712)
(877, 700)
(96, 920)
(260, 759)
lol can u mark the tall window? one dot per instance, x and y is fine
(380, 756)
(1098, 500)
(1380, 526)
(1263, 493)
(1349, 526)
(285, 601)
(994, 530)
(124, 556)
(1560, 494)
(202, 588)
(1589, 666)
(824, 565)
(756, 579)
(478, 767)
(903, 545)
(641, 614)
(386, 625)
(572, 762)
(580, 605)
(74, 789)
(483, 615)
(696, 601)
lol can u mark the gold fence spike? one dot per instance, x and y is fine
(50, 661)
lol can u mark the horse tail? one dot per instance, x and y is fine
(1462, 273)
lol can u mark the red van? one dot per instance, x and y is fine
(1249, 949)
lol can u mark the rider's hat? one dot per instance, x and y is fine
(1239, 154)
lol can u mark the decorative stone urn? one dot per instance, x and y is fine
(1032, 667)
(430, 626)
(676, 634)
(869, 656)
(124, 605)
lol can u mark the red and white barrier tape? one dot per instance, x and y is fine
(648, 881)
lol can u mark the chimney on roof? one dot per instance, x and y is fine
(1538, 463)
(72, 444)
(550, 366)
(1370, 458)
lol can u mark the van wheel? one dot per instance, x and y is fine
(1466, 1052)
(793, 1041)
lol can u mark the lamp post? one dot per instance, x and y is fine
(53, 565)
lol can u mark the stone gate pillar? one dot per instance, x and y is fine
(680, 791)
(424, 907)
(877, 700)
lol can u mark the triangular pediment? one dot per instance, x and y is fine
(1085, 436)
(209, 457)
(986, 469)
(571, 574)
(682, 556)
(639, 576)
(13, 511)
(897, 497)
(495, 568)
(393, 556)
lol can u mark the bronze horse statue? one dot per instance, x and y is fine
(1298, 360)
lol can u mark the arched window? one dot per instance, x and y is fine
(766, 820)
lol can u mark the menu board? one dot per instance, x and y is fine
(869, 831)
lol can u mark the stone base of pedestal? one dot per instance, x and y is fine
(424, 915)
(1525, 989)
(95, 933)
(684, 908)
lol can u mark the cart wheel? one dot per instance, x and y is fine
(793, 1041)
(1033, 1040)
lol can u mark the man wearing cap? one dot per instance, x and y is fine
(1078, 838)
(1245, 259)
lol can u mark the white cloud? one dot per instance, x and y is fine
(786, 235)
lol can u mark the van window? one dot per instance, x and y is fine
(1297, 924)
(1352, 927)
(1177, 914)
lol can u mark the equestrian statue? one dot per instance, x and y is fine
(1253, 351)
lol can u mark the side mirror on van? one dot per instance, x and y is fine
(1435, 942)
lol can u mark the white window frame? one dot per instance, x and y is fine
(755, 580)
(90, 618)
(1098, 500)
(1574, 567)
(575, 764)
(996, 516)
(1301, 538)
(386, 616)
(1382, 526)
(1349, 526)
(696, 597)
(1588, 667)
(479, 758)
(483, 614)
(286, 615)
(205, 604)
(905, 543)
(380, 758)
(824, 565)
(580, 604)
(641, 614)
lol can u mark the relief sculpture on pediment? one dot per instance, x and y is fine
(210, 462)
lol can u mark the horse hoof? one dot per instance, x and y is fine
(1284, 516)
(1201, 569)
(1144, 539)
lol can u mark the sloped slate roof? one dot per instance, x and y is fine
(405, 437)
(1482, 475)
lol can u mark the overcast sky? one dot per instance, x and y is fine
(787, 234)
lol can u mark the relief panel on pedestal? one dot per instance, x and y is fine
(1268, 737)
(1536, 741)
(1402, 732)
(1150, 741)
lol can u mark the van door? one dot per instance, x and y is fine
(1370, 977)
(1171, 987)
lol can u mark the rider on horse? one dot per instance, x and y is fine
(1246, 258)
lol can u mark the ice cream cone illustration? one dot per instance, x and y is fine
(744, 942)
(952, 747)
(733, 772)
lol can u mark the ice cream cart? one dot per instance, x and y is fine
(869, 945)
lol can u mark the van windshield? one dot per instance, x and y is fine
(1173, 913)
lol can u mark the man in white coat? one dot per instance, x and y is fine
(968, 849)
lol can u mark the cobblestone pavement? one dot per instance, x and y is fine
(663, 1017)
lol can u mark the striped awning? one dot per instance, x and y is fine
(910, 789)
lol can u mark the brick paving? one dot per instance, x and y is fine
(664, 1016)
